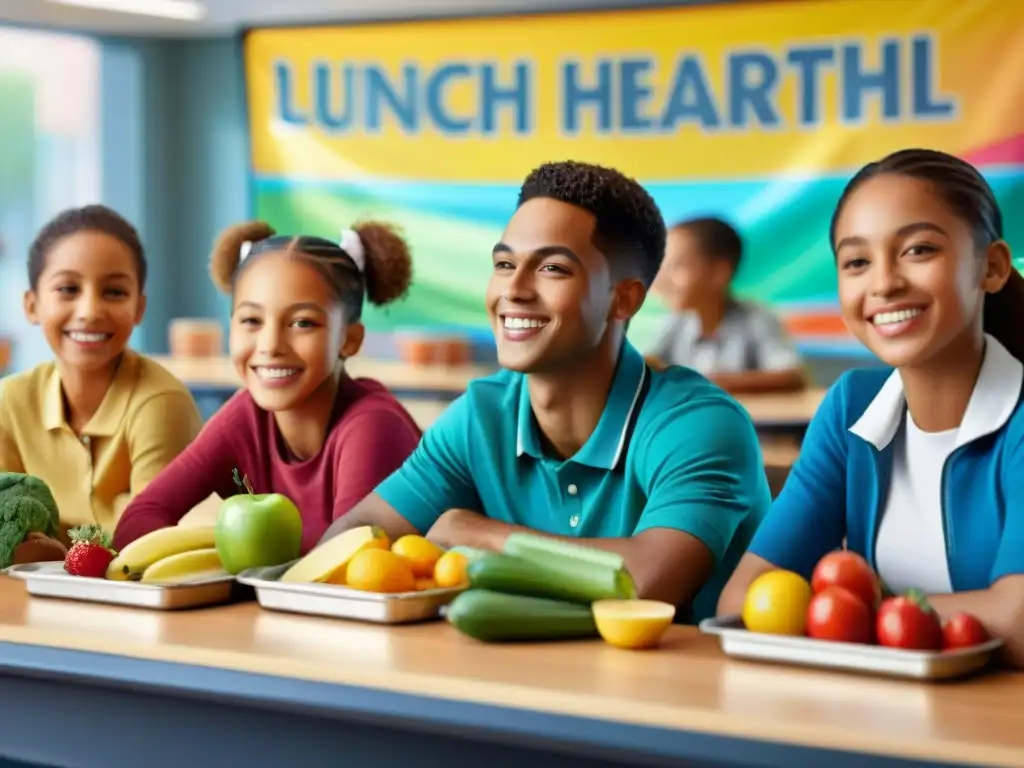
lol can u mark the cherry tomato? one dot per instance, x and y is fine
(908, 622)
(839, 615)
(849, 571)
(963, 630)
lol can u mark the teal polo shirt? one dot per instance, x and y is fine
(671, 450)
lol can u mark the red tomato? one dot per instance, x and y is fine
(908, 622)
(849, 571)
(838, 614)
(962, 630)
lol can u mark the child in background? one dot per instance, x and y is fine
(99, 422)
(919, 467)
(300, 426)
(737, 344)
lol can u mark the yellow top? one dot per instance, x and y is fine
(146, 419)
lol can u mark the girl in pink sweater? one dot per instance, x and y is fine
(300, 425)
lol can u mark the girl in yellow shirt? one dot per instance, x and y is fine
(100, 421)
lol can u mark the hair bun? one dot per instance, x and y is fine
(227, 250)
(388, 267)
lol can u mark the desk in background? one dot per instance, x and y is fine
(788, 413)
(236, 685)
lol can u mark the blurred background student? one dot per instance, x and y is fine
(740, 345)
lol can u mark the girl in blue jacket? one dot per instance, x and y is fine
(918, 466)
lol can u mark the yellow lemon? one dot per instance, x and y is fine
(450, 570)
(421, 554)
(632, 624)
(379, 570)
(776, 604)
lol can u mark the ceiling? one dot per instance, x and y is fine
(229, 16)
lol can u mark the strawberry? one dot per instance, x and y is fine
(90, 552)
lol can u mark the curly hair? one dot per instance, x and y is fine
(385, 278)
(629, 229)
(90, 218)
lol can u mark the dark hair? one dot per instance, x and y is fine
(718, 240)
(385, 277)
(629, 230)
(91, 218)
(969, 196)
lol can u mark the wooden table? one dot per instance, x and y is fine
(90, 685)
(788, 412)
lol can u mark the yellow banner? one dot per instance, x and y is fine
(700, 92)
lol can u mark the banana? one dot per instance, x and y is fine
(132, 561)
(185, 566)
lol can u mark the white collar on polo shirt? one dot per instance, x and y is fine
(993, 401)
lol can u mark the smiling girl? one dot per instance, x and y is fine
(300, 426)
(919, 466)
(99, 422)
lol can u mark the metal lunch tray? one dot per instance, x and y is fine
(343, 602)
(739, 643)
(49, 579)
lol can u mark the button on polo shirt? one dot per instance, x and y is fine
(671, 450)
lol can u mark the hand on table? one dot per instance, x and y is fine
(38, 548)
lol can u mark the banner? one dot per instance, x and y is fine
(756, 112)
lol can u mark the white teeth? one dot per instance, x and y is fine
(886, 318)
(88, 338)
(277, 373)
(524, 322)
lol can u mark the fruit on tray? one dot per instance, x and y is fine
(450, 570)
(424, 585)
(909, 622)
(837, 614)
(491, 616)
(380, 570)
(962, 630)
(421, 553)
(776, 604)
(327, 562)
(132, 561)
(90, 553)
(184, 567)
(843, 603)
(256, 530)
(632, 624)
(851, 572)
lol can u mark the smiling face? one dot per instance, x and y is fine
(288, 331)
(551, 295)
(87, 300)
(911, 278)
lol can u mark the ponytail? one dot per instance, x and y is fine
(1003, 316)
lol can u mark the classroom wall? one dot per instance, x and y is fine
(175, 162)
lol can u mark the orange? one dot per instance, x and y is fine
(421, 554)
(422, 585)
(379, 570)
(450, 570)
(776, 604)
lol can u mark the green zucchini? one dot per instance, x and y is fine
(494, 617)
(529, 545)
(472, 553)
(550, 576)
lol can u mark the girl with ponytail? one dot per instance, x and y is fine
(918, 466)
(300, 426)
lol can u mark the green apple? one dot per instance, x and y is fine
(257, 529)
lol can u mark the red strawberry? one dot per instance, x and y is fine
(90, 552)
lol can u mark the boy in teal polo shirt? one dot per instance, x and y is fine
(578, 438)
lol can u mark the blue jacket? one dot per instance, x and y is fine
(838, 486)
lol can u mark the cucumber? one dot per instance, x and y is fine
(528, 545)
(550, 576)
(494, 617)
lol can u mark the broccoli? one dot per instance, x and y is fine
(26, 506)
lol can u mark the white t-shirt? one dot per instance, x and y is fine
(911, 547)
